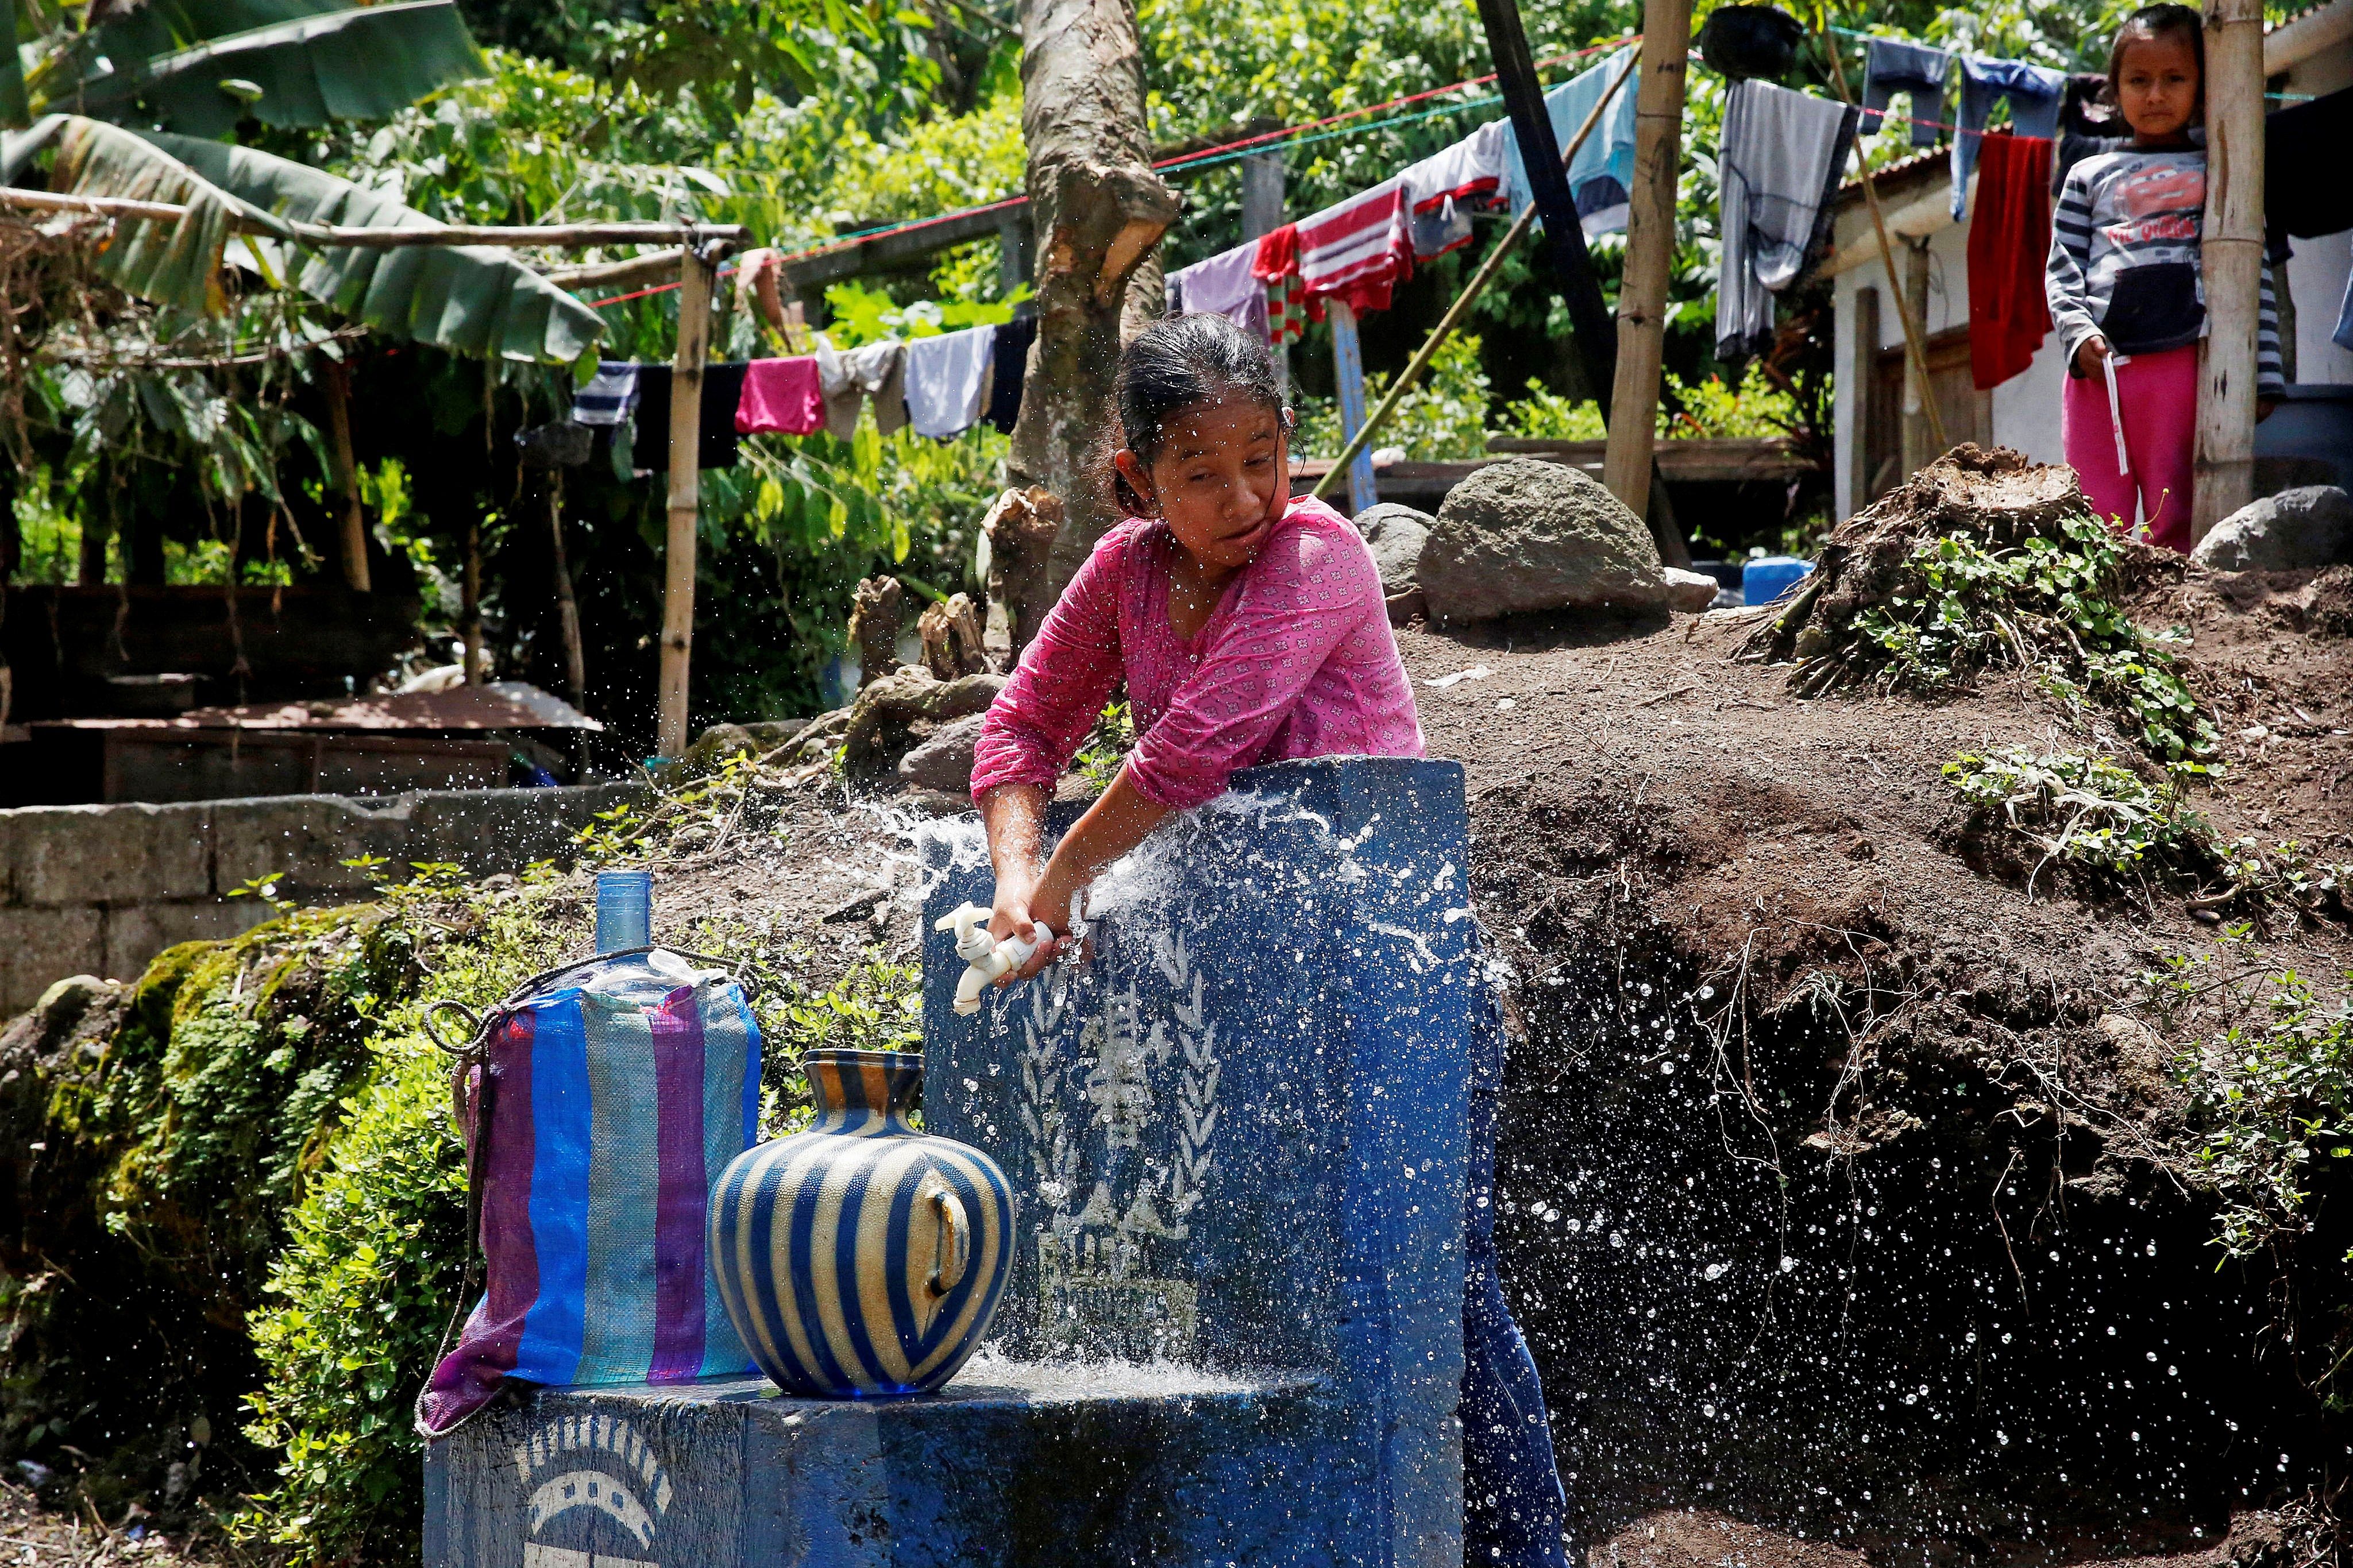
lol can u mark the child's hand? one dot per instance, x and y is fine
(2089, 353)
(2263, 406)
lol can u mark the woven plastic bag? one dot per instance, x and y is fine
(600, 1103)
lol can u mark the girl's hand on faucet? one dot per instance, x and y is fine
(1010, 917)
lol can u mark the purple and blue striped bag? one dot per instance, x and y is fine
(600, 1103)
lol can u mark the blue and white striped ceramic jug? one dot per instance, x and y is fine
(862, 1258)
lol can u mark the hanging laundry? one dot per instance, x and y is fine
(722, 390)
(2010, 244)
(608, 397)
(948, 381)
(1010, 368)
(2306, 192)
(1603, 169)
(2033, 93)
(1286, 311)
(1777, 167)
(1895, 67)
(1286, 294)
(1222, 286)
(877, 371)
(1442, 189)
(1356, 250)
(781, 396)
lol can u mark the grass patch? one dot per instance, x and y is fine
(2120, 830)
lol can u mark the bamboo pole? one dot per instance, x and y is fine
(2231, 256)
(339, 448)
(658, 264)
(338, 235)
(1650, 253)
(1470, 295)
(1915, 345)
(695, 274)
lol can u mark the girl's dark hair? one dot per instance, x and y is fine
(1181, 363)
(2159, 22)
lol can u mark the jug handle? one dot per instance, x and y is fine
(955, 1242)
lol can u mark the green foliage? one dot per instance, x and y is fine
(877, 1006)
(2047, 606)
(1445, 415)
(1107, 746)
(1755, 405)
(2084, 811)
(2118, 826)
(2269, 1100)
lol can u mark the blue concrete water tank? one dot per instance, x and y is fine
(1767, 577)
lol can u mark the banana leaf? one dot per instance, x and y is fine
(175, 262)
(357, 63)
(473, 299)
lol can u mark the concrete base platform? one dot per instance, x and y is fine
(1013, 1463)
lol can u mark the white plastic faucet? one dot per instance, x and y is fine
(986, 958)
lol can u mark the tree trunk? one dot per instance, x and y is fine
(878, 610)
(352, 529)
(1099, 212)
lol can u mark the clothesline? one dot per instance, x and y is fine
(1189, 162)
(1899, 38)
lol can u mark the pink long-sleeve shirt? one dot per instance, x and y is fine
(1297, 660)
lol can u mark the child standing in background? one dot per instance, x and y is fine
(2124, 285)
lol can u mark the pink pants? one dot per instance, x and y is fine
(2159, 394)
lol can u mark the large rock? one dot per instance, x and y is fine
(1525, 535)
(2312, 526)
(944, 761)
(1395, 535)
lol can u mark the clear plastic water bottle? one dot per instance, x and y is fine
(625, 910)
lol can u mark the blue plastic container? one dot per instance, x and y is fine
(625, 910)
(1769, 577)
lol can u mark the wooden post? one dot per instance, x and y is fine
(1860, 365)
(346, 476)
(1348, 364)
(1650, 252)
(695, 275)
(469, 611)
(2232, 254)
(1924, 422)
(567, 608)
(1263, 199)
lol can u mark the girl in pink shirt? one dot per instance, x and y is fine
(1250, 627)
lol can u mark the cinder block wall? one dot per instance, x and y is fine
(101, 889)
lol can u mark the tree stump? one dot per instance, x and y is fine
(877, 611)
(1020, 529)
